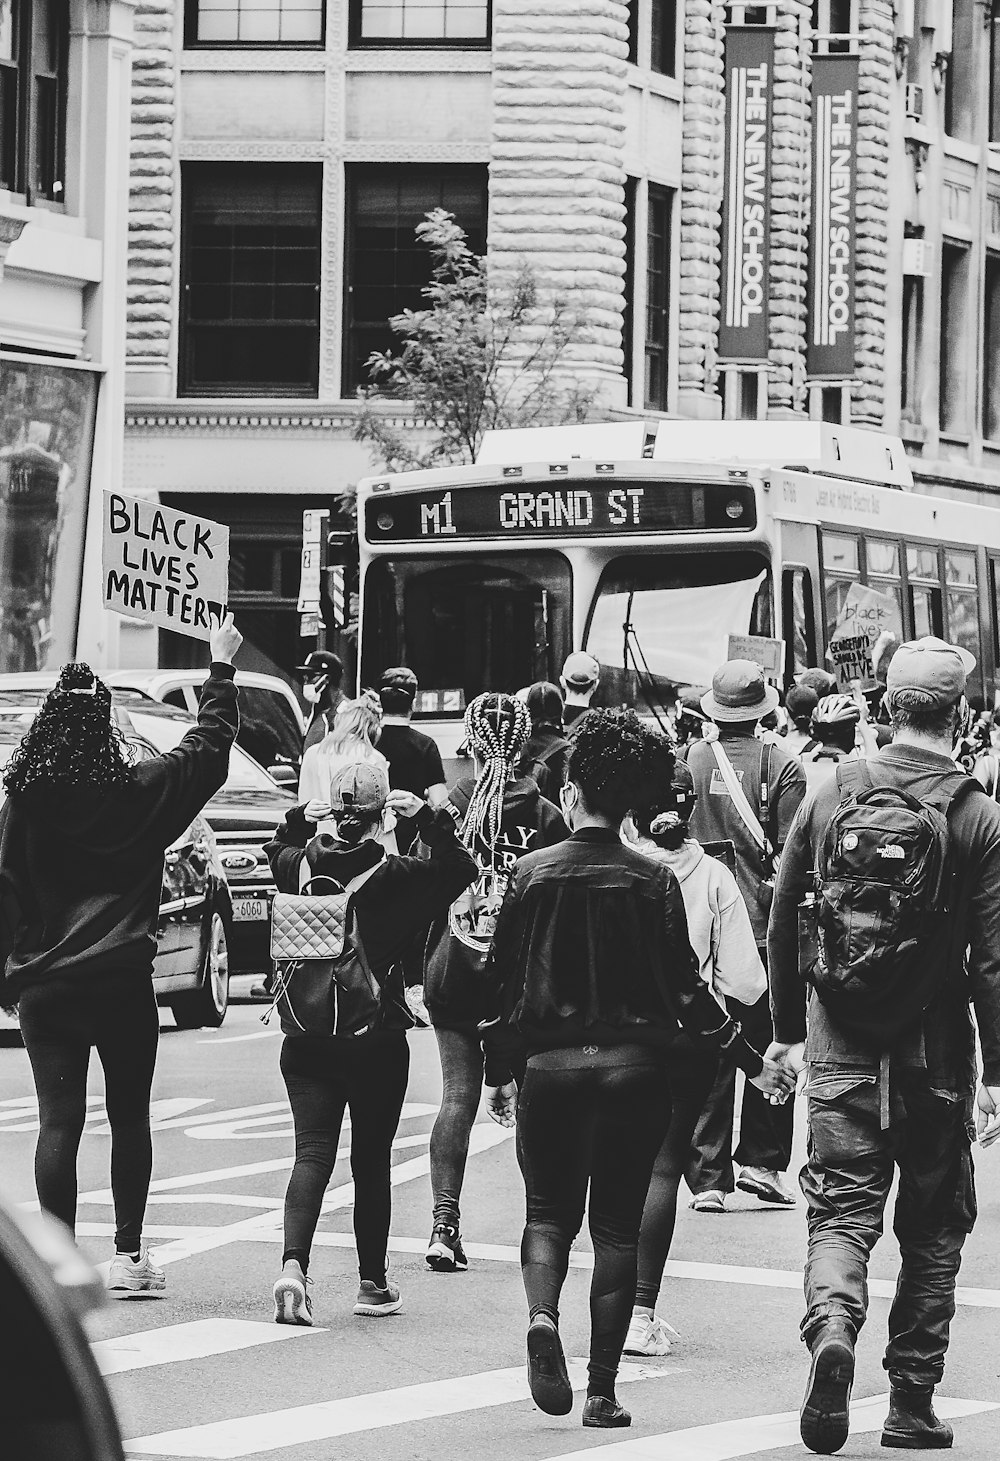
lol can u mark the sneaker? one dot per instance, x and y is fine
(373, 1302)
(135, 1275)
(767, 1185)
(601, 1413)
(649, 1335)
(292, 1305)
(710, 1201)
(445, 1253)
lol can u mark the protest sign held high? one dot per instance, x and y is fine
(866, 613)
(169, 568)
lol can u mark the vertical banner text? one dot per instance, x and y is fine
(830, 348)
(746, 207)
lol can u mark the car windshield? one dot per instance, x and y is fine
(675, 612)
(166, 732)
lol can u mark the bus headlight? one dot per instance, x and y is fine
(384, 522)
(734, 509)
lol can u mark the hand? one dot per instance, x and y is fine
(317, 811)
(776, 1082)
(404, 803)
(225, 641)
(501, 1103)
(988, 1114)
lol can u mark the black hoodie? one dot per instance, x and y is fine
(455, 955)
(81, 867)
(395, 905)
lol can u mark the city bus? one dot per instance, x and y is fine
(649, 545)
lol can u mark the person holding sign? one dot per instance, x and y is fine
(82, 838)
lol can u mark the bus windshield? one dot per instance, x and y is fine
(676, 611)
(469, 623)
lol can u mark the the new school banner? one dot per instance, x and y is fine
(830, 347)
(746, 206)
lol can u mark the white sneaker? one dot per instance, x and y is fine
(649, 1335)
(710, 1201)
(135, 1275)
(292, 1305)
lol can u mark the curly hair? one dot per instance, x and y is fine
(617, 762)
(496, 727)
(73, 741)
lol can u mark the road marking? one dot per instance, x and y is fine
(165, 1112)
(236, 1039)
(727, 1439)
(484, 1136)
(194, 1341)
(275, 1430)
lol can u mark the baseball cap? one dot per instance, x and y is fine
(689, 700)
(360, 787)
(819, 680)
(544, 702)
(933, 668)
(397, 685)
(739, 692)
(801, 701)
(581, 670)
(321, 662)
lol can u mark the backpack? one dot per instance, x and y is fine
(885, 904)
(323, 981)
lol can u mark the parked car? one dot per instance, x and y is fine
(191, 968)
(243, 815)
(273, 722)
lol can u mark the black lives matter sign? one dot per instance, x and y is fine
(169, 568)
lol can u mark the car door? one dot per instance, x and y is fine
(188, 866)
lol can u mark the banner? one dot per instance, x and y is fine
(768, 653)
(865, 615)
(830, 346)
(168, 568)
(746, 207)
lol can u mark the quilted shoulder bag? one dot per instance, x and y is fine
(323, 981)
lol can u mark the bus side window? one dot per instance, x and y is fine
(798, 621)
(995, 608)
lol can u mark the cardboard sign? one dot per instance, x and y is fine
(865, 615)
(768, 653)
(166, 567)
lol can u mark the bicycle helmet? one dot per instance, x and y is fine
(835, 710)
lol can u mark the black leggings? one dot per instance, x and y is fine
(61, 1021)
(692, 1074)
(323, 1077)
(596, 1119)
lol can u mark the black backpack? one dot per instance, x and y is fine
(886, 915)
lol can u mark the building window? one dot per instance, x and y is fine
(633, 32)
(250, 279)
(386, 266)
(961, 80)
(991, 349)
(994, 97)
(835, 23)
(913, 324)
(254, 23)
(420, 22)
(953, 384)
(628, 304)
(663, 48)
(34, 50)
(658, 297)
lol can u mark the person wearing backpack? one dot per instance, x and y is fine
(835, 726)
(390, 902)
(546, 750)
(890, 872)
(748, 792)
(502, 817)
(800, 702)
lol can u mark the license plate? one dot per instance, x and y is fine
(249, 910)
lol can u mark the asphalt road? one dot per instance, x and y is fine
(203, 1372)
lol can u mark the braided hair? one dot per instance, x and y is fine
(618, 763)
(496, 727)
(73, 741)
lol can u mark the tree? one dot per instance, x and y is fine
(477, 359)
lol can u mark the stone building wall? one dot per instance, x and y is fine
(701, 197)
(790, 171)
(877, 78)
(151, 196)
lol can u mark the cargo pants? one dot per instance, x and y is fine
(846, 1181)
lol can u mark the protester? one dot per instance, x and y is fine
(414, 759)
(772, 784)
(835, 727)
(501, 818)
(547, 748)
(822, 682)
(353, 738)
(722, 937)
(82, 838)
(689, 719)
(581, 675)
(592, 970)
(800, 702)
(890, 1047)
(322, 674)
(325, 1075)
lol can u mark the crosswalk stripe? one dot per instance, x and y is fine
(274, 1430)
(748, 1436)
(193, 1341)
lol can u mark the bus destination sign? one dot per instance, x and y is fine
(536, 511)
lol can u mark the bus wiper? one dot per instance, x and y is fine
(646, 688)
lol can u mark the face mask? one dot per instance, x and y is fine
(313, 691)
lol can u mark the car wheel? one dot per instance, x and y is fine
(207, 1005)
